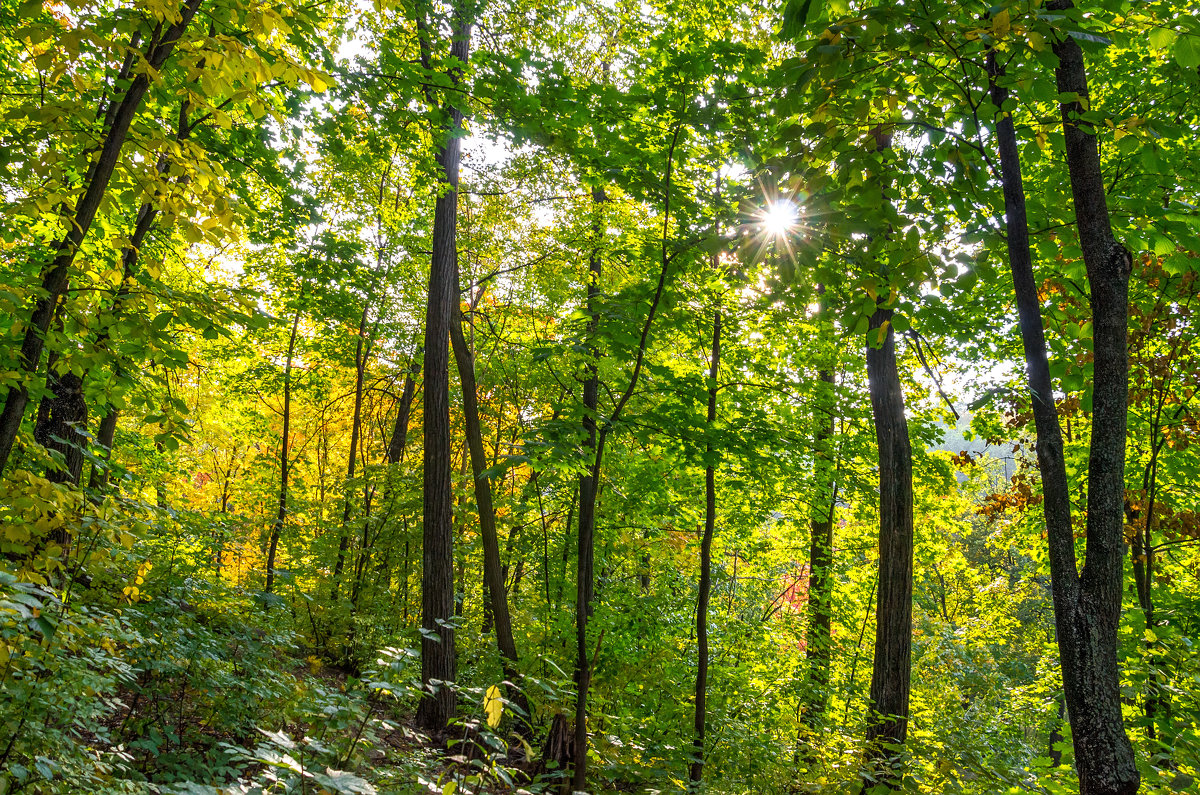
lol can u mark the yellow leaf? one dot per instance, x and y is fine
(1036, 40)
(450, 788)
(1001, 24)
(493, 706)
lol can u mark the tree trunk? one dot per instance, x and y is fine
(64, 426)
(820, 557)
(438, 663)
(147, 215)
(360, 371)
(586, 532)
(892, 670)
(893, 610)
(696, 770)
(1087, 607)
(492, 575)
(54, 275)
(284, 452)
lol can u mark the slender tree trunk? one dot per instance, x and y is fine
(819, 637)
(437, 582)
(890, 677)
(586, 533)
(395, 454)
(284, 451)
(360, 371)
(696, 769)
(55, 275)
(1087, 606)
(493, 578)
(589, 484)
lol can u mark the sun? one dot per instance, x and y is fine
(780, 217)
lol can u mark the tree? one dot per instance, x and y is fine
(438, 662)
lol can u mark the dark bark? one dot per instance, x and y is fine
(147, 216)
(438, 664)
(492, 574)
(819, 637)
(55, 275)
(64, 425)
(586, 526)
(893, 607)
(284, 448)
(1087, 604)
(696, 769)
(892, 668)
(395, 450)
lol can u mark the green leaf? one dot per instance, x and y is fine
(1187, 52)
(795, 16)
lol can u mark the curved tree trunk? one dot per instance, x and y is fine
(492, 573)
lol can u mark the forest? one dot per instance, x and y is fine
(599, 396)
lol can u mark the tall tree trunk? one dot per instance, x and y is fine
(890, 677)
(437, 581)
(696, 769)
(819, 636)
(492, 574)
(284, 451)
(360, 371)
(586, 532)
(597, 437)
(1087, 607)
(55, 275)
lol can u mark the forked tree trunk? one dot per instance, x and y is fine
(1086, 606)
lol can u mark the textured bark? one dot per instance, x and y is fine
(284, 449)
(438, 664)
(892, 669)
(893, 607)
(64, 424)
(1086, 605)
(395, 450)
(696, 769)
(54, 276)
(820, 556)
